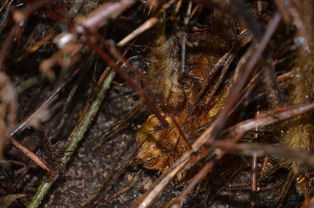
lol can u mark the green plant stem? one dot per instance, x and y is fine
(77, 134)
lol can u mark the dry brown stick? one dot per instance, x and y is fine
(299, 156)
(195, 180)
(117, 55)
(146, 25)
(183, 136)
(270, 117)
(163, 181)
(254, 182)
(229, 145)
(167, 176)
(184, 37)
(246, 72)
(237, 132)
(271, 84)
(103, 13)
(96, 19)
(132, 83)
(30, 154)
(204, 171)
(224, 63)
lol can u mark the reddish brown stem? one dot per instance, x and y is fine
(247, 71)
(30, 154)
(133, 84)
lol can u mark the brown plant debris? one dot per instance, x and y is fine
(209, 103)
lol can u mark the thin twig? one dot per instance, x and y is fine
(100, 16)
(247, 71)
(181, 132)
(299, 156)
(30, 154)
(48, 101)
(132, 83)
(78, 133)
(237, 132)
(270, 117)
(146, 25)
(224, 63)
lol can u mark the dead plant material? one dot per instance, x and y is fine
(228, 89)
